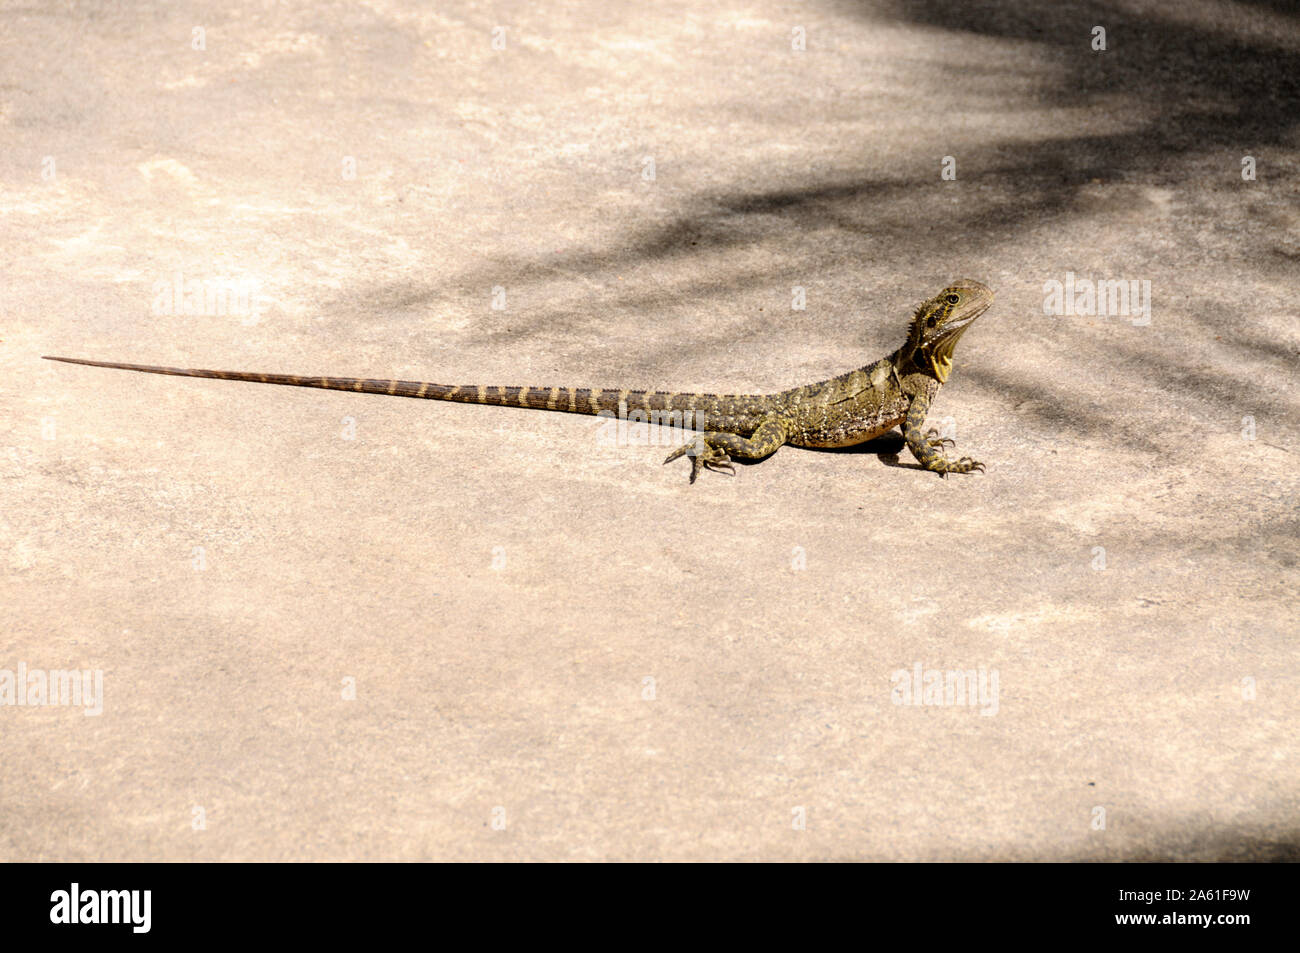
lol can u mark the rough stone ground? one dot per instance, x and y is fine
(499, 584)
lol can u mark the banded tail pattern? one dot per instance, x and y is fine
(572, 400)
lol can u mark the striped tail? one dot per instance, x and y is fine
(572, 400)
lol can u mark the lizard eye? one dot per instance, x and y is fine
(952, 299)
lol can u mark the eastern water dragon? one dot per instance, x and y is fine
(840, 412)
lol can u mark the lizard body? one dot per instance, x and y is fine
(839, 412)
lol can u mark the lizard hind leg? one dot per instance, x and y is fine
(714, 449)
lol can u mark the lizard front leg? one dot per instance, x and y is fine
(715, 448)
(928, 449)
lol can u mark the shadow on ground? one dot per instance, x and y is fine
(1211, 91)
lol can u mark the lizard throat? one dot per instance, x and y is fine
(941, 365)
(940, 355)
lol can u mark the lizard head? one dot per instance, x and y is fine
(941, 321)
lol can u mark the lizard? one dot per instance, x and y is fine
(839, 412)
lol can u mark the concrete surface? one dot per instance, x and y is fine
(558, 650)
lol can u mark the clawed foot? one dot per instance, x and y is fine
(941, 464)
(703, 455)
(964, 465)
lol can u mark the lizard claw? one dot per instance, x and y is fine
(964, 465)
(702, 455)
(943, 466)
(677, 453)
(722, 465)
(939, 443)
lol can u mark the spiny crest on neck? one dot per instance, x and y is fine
(916, 329)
